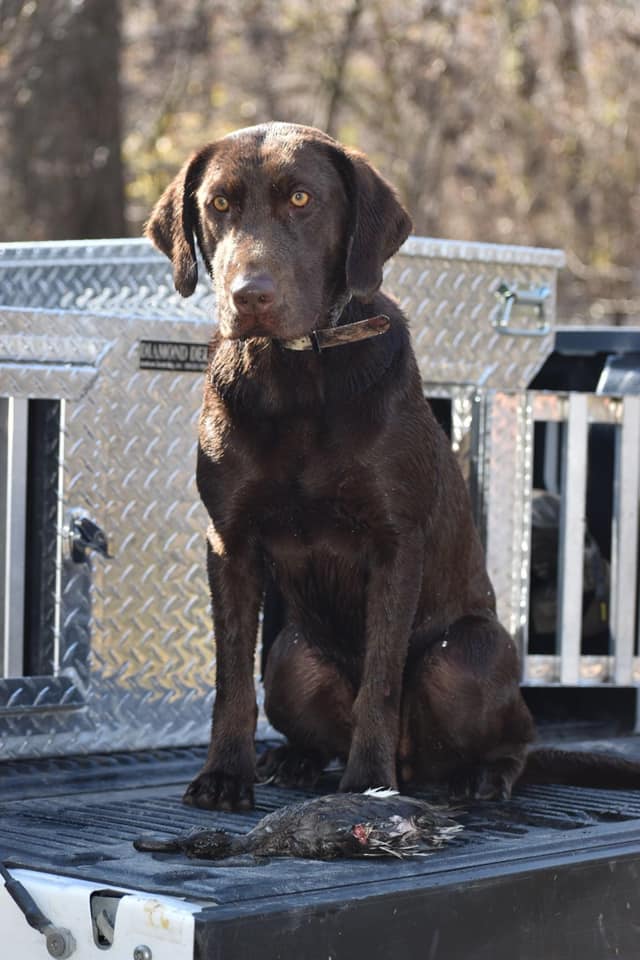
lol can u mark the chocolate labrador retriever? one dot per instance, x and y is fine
(331, 489)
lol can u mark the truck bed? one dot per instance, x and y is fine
(553, 873)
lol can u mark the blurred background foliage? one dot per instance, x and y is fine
(508, 121)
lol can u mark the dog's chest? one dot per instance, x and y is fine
(317, 496)
(300, 486)
(296, 518)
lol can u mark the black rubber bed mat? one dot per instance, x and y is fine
(555, 858)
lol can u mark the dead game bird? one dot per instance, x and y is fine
(377, 823)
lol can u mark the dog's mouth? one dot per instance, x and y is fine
(254, 334)
(271, 326)
(246, 328)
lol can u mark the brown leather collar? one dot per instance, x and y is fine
(320, 339)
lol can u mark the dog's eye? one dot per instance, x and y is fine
(220, 203)
(300, 198)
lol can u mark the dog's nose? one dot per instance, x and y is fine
(253, 295)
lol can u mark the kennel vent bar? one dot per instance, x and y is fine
(98, 374)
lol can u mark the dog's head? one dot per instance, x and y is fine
(288, 222)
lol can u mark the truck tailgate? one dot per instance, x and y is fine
(553, 873)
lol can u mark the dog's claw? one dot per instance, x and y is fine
(214, 790)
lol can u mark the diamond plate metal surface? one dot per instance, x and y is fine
(126, 278)
(135, 659)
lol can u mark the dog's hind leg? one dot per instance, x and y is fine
(463, 717)
(309, 700)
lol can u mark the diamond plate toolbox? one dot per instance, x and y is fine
(480, 314)
(98, 327)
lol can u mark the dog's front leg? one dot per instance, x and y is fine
(227, 778)
(392, 597)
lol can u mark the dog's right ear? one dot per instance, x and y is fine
(173, 224)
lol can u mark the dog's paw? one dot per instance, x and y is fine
(216, 790)
(287, 766)
(479, 783)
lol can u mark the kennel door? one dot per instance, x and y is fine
(106, 640)
(40, 372)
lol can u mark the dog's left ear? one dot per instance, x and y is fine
(379, 223)
(173, 225)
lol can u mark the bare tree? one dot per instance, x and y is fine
(60, 119)
(336, 84)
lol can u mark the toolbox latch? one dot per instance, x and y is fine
(510, 296)
(84, 535)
